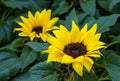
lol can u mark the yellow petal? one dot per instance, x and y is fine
(67, 59)
(24, 34)
(47, 16)
(53, 41)
(32, 36)
(94, 55)
(55, 56)
(83, 33)
(78, 67)
(79, 59)
(88, 62)
(37, 17)
(62, 35)
(92, 44)
(51, 22)
(31, 18)
(90, 34)
(18, 29)
(74, 32)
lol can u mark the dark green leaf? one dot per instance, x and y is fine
(113, 3)
(14, 45)
(114, 72)
(27, 57)
(15, 3)
(105, 22)
(51, 77)
(89, 6)
(104, 4)
(81, 17)
(42, 70)
(5, 33)
(38, 47)
(63, 8)
(113, 59)
(69, 18)
(77, 77)
(21, 77)
(9, 65)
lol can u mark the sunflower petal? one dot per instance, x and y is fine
(67, 59)
(74, 32)
(88, 62)
(78, 67)
(55, 56)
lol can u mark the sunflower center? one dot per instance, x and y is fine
(75, 49)
(38, 30)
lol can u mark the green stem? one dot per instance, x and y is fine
(115, 42)
(102, 75)
(6, 14)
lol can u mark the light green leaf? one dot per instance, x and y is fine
(69, 18)
(38, 47)
(9, 65)
(89, 6)
(27, 57)
(114, 72)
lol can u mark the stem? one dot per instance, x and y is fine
(6, 14)
(102, 75)
(115, 42)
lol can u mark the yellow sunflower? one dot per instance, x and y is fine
(75, 47)
(36, 26)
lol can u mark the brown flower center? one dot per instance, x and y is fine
(75, 49)
(38, 30)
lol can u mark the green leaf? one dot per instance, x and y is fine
(38, 46)
(105, 22)
(113, 3)
(27, 57)
(89, 6)
(81, 17)
(113, 59)
(104, 4)
(114, 72)
(9, 65)
(5, 33)
(69, 18)
(21, 77)
(42, 70)
(14, 45)
(51, 77)
(15, 3)
(63, 8)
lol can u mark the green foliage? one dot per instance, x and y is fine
(22, 59)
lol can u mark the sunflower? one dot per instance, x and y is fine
(75, 47)
(36, 26)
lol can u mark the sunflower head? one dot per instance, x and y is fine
(75, 47)
(36, 26)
